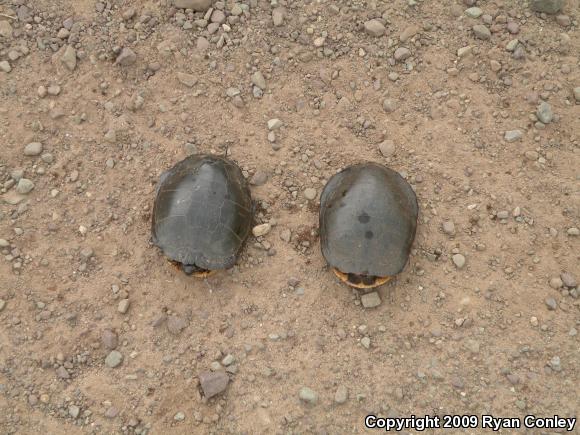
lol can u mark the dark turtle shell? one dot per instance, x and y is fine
(203, 213)
(368, 220)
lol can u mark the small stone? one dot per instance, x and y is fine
(474, 12)
(551, 304)
(495, 65)
(5, 66)
(513, 135)
(341, 395)
(176, 324)
(126, 57)
(69, 58)
(563, 20)
(228, 360)
(278, 16)
(2, 304)
(547, 6)
(555, 364)
(389, 105)
(408, 33)
(109, 339)
(448, 228)
(74, 411)
(274, 124)
(259, 80)
(187, 79)
(511, 45)
(180, 416)
(123, 306)
(573, 231)
(194, 5)
(401, 54)
(387, 148)
(310, 193)
(374, 28)
(513, 28)
(531, 155)
(259, 178)
(24, 186)
(568, 279)
(544, 113)
(111, 412)
(5, 29)
(503, 214)
(213, 383)
(308, 395)
(366, 342)
(261, 230)
(62, 373)
(113, 359)
(370, 300)
(481, 32)
(286, 235)
(556, 283)
(459, 261)
(464, 51)
(33, 149)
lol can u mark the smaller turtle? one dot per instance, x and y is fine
(368, 219)
(202, 214)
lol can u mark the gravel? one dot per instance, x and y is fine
(114, 359)
(308, 395)
(544, 113)
(389, 105)
(513, 135)
(24, 186)
(33, 149)
(259, 80)
(341, 395)
(370, 300)
(261, 230)
(278, 16)
(481, 32)
(69, 58)
(448, 228)
(126, 57)
(459, 261)
(274, 124)
(310, 193)
(123, 306)
(568, 279)
(213, 383)
(551, 303)
(109, 339)
(474, 12)
(387, 148)
(374, 28)
(547, 6)
(188, 80)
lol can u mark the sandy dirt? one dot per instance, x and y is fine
(483, 320)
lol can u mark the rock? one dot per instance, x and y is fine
(482, 32)
(408, 33)
(370, 300)
(179, 416)
(259, 178)
(113, 359)
(123, 306)
(274, 124)
(551, 304)
(577, 94)
(126, 57)
(278, 16)
(563, 20)
(474, 12)
(261, 230)
(111, 412)
(176, 324)
(341, 395)
(573, 231)
(464, 51)
(259, 80)
(389, 105)
(513, 135)
(448, 228)
(374, 28)
(74, 411)
(2, 304)
(310, 193)
(69, 58)
(503, 214)
(547, 6)
(195, 5)
(33, 149)
(513, 27)
(401, 54)
(459, 261)
(366, 342)
(387, 148)
(24, 186)
(109, 339)
(308, 395)
(544, 113)
(12, 198)
(5, 66)
(568, 279)
(213, 383)
(228, 360)
(187, 79)
(62, 373)
(218, 17)
(5, 29)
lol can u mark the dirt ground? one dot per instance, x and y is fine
(99, 334)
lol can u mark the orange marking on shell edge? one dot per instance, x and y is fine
(344, 278)
(200, 274)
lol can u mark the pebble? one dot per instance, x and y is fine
(310, 193)
(308, 395)
(402, 53)
(2, 304)
(544, 113)
(481, 32)
(556, 283)
(573, 231)
(387, 148)
(213, 383)
(74, 411)
(513, 135)
(366, 342)
(341, 395)
(5, 29)
(551, 303)
(53, 90)
(511, 45)
(69, 58)
(114, 359)
(459, 261)
(176, 324)
(261, 230)
(474, 12)
(448, 228)
(547, 6)
(111, 412)
(5, 66)
(109, 339)
(389, 105)
(464, 51)
(274, 124)
(370, 300)
(278, 16)
(123, 306)
(563, 20)
(259, 80)
(180, 416)
(374, 28)
(568, 279)
(62, 373)
(126, 57)
(408, 33)
(33, 149)
(513, 27)
(228, 360)
(259, 178)
(194, 5)
(187, 79)
(24, 186)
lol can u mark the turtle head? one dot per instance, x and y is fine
(188, 269)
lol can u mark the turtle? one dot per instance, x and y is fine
(368, 220)
(202, 215)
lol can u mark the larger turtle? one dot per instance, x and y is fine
(202, 214)
(368, 220)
